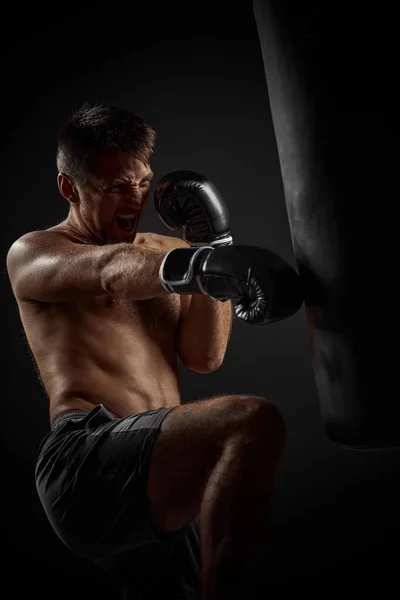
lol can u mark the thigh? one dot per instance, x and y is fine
(91, 479)
(190, 441)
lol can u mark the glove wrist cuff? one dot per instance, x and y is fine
(227, 240)
(179, 269)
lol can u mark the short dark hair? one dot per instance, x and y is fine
(94, 129)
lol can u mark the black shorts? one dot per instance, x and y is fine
(91, 477)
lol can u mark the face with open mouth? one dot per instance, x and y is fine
(115, 197)
(127, 223)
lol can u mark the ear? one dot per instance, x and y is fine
(67, 188)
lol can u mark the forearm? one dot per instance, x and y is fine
(204, 333)
(133, 272)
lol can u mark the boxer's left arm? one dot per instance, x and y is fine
(189, 201)
(204, 329)
(204, 332)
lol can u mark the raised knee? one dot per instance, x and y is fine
(263, 420)
(251, 418)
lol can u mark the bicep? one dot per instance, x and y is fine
(181, 342)
(185, 305)
(171, 243)
(185, 301)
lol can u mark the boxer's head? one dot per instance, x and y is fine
(103, 158)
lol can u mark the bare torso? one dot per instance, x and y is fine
(108, 351)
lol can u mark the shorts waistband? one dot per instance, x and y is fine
(71, 414)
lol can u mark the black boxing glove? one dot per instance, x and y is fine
(265, 288)
(188, 200)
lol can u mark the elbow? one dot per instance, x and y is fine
(213, 366)
(200, 360)
(203, 367)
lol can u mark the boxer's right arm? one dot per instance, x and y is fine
(47, 267)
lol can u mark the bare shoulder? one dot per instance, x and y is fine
(34, 240)
(30, 246)
(161, 242)
(38, 237)
(26, 241)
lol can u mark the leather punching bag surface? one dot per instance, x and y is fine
(331, 79)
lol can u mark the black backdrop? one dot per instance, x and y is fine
(195, 73)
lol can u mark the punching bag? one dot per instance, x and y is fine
(331, 79)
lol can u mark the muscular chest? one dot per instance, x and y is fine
(159, 315)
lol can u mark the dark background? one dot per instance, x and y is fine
(195, 73)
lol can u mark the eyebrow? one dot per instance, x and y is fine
(149, 176)
(121, 180)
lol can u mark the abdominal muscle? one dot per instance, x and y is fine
(108, 351)
(90, 359)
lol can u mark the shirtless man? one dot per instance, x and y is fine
(128, 473)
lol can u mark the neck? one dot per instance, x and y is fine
(79, 231)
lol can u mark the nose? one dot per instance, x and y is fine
(134, 201)
(135, 197)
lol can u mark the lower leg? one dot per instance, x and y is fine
(235, 510)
